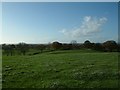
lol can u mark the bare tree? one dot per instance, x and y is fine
(74, 44)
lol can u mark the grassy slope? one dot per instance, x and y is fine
(85, 69)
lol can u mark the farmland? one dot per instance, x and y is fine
(61, 69)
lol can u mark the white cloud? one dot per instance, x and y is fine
(90, 25)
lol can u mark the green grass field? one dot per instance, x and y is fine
(61, 69)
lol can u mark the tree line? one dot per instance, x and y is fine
(23, 48)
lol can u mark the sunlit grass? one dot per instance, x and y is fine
(61, 69)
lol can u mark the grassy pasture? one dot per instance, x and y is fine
(61, 69)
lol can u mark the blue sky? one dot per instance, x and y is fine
(47, 22)
(60, 0)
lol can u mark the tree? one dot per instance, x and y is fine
(5, 49)
(56, 45)
(110, 45)
(49, 46)
(40, 47)
(74, 44)
(118, 47)
(23, 48)
(66, 46)
(98, 46)
(87, 44)
(8, 49)
(11, 48)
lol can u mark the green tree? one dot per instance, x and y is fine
(23, 48)
(110, 45)
(40, 47)
(56, 45)
(8, 49)
(87, 44)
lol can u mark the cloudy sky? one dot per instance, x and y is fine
(47, 22)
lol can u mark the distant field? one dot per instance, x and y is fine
(61, 69)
